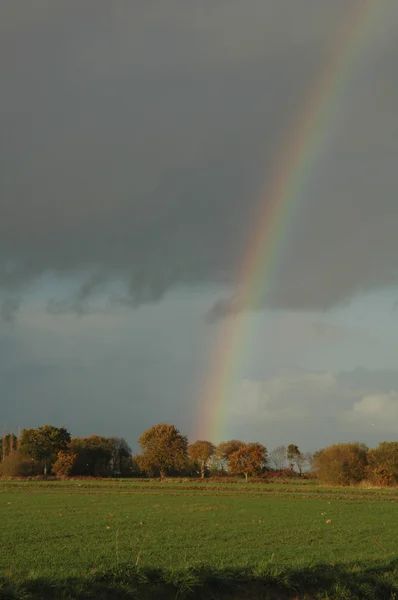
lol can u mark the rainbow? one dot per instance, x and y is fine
(292, 171)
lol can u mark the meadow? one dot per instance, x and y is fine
(152, 539)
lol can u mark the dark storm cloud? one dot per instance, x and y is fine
(114, 376)
(136, 138)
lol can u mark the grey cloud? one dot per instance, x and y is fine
(8, 309)
(137, 144)
(318, 408)
(79, 302)
(114, 376)
(225, 307)
(374, 381)
(74, 306)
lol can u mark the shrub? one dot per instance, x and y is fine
(383, 464)
(17, 465)
(341, 464)
(281, 474)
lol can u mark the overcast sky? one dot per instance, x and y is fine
(137, 141)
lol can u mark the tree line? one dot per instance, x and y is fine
(50, 449)
(166, 452)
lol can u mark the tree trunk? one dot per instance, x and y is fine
(202, 469)
(162, 474)
(247, 477)
(45, 467)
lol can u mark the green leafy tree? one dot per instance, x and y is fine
(341, 464)
(44, 443)
(164, 449)
(121, 453)
(383, 463)
(93, 455)
(201, 452)
(294, 457)
(249, 459)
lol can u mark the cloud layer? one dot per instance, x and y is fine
(319, 408)
(138, 141)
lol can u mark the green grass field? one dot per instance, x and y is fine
(122, 539)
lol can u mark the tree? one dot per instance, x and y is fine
(249, 459)
(308, 458)
(94, 455)
(383, 463)
(121, 453)
(201, 452)
(300, 462)
(133, 467)
(277, 458)
(163, 449)
(341, 464)
(44, 443)
(224, 451)
(293, 456)
(8, 445)
(64, 464)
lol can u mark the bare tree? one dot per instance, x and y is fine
(277, 458)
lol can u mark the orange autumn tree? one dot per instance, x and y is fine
(224, 451)
(201, 452)
(64, 463)
(164, 449)
(249, 459)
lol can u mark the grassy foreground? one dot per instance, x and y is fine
(126, 539)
